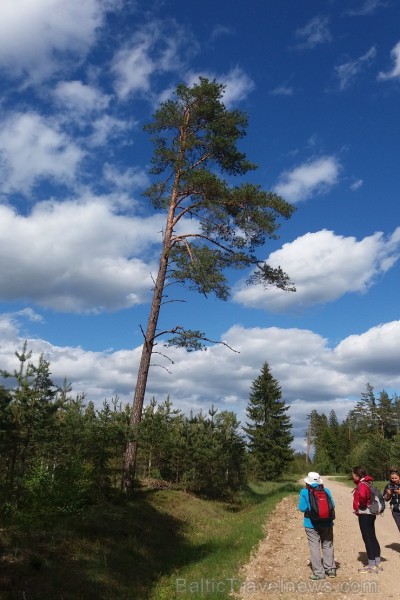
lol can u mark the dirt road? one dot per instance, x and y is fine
(280, 570)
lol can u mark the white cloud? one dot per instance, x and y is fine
(347, 71)
(77, 256)
(315, 32)
(133, 68)
(127, 180)
(220, 30)
(33, 148)
(324, 267)
(314, 177)
(10, 327)
(368, 8)
(355, 351)
(79, 97)
(311, 374)
(238, 85)
(356, 185)
(153, 50)
(394, 73)
(106, 127)
(282, 90)
(32, 32)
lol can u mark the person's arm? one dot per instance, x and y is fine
(356, 504)
(303, 501)
(387, 492)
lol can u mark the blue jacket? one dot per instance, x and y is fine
(304, 504)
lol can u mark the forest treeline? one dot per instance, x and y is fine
(369, 435)
(59, 453)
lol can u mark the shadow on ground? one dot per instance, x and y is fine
(394, 546)
(114, 553)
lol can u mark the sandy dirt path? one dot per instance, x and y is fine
(279, 568)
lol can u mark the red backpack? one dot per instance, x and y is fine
(321, 506)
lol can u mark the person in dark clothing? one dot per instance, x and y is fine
(366, 520)
(391, 493)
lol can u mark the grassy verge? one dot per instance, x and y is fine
(225, 536)
(161, 545)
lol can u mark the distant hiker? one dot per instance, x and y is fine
(366, 519)
(391, 493)
(317, 504)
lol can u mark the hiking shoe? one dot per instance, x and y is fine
(368, 569)
(316, 577)
(331, 573)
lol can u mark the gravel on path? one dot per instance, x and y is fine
(279, 568)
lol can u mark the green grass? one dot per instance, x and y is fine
(228, 534)
(347, 480)
(160, 545)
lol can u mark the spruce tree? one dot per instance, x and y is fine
(396, 412)
(364, 418)
(386, 415)
(269, 429)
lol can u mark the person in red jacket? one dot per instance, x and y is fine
(366, 520)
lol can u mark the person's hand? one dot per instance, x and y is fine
(389, 492)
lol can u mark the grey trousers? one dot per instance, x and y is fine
(318, 538)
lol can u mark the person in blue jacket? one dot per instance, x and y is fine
(319, 536)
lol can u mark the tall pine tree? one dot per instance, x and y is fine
(212, 226)
(269, 429)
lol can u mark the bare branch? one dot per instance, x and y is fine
(192, 339)
(165, 356)
(170, 301)
(187, 209)
(200, 161)
(174, 330)
(188, 248)
(161, 367)
(222, 343)
(182, 238)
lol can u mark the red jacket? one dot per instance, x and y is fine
(362, 494)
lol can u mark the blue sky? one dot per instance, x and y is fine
(320, 82)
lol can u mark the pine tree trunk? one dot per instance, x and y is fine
(144, 366)
(147, 350)
(308, 444)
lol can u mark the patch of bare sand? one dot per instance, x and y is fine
(279, 568)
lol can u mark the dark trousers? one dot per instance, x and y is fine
(396, 517)
(367, 528)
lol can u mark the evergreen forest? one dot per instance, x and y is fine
(369, 436)
(60, 453)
